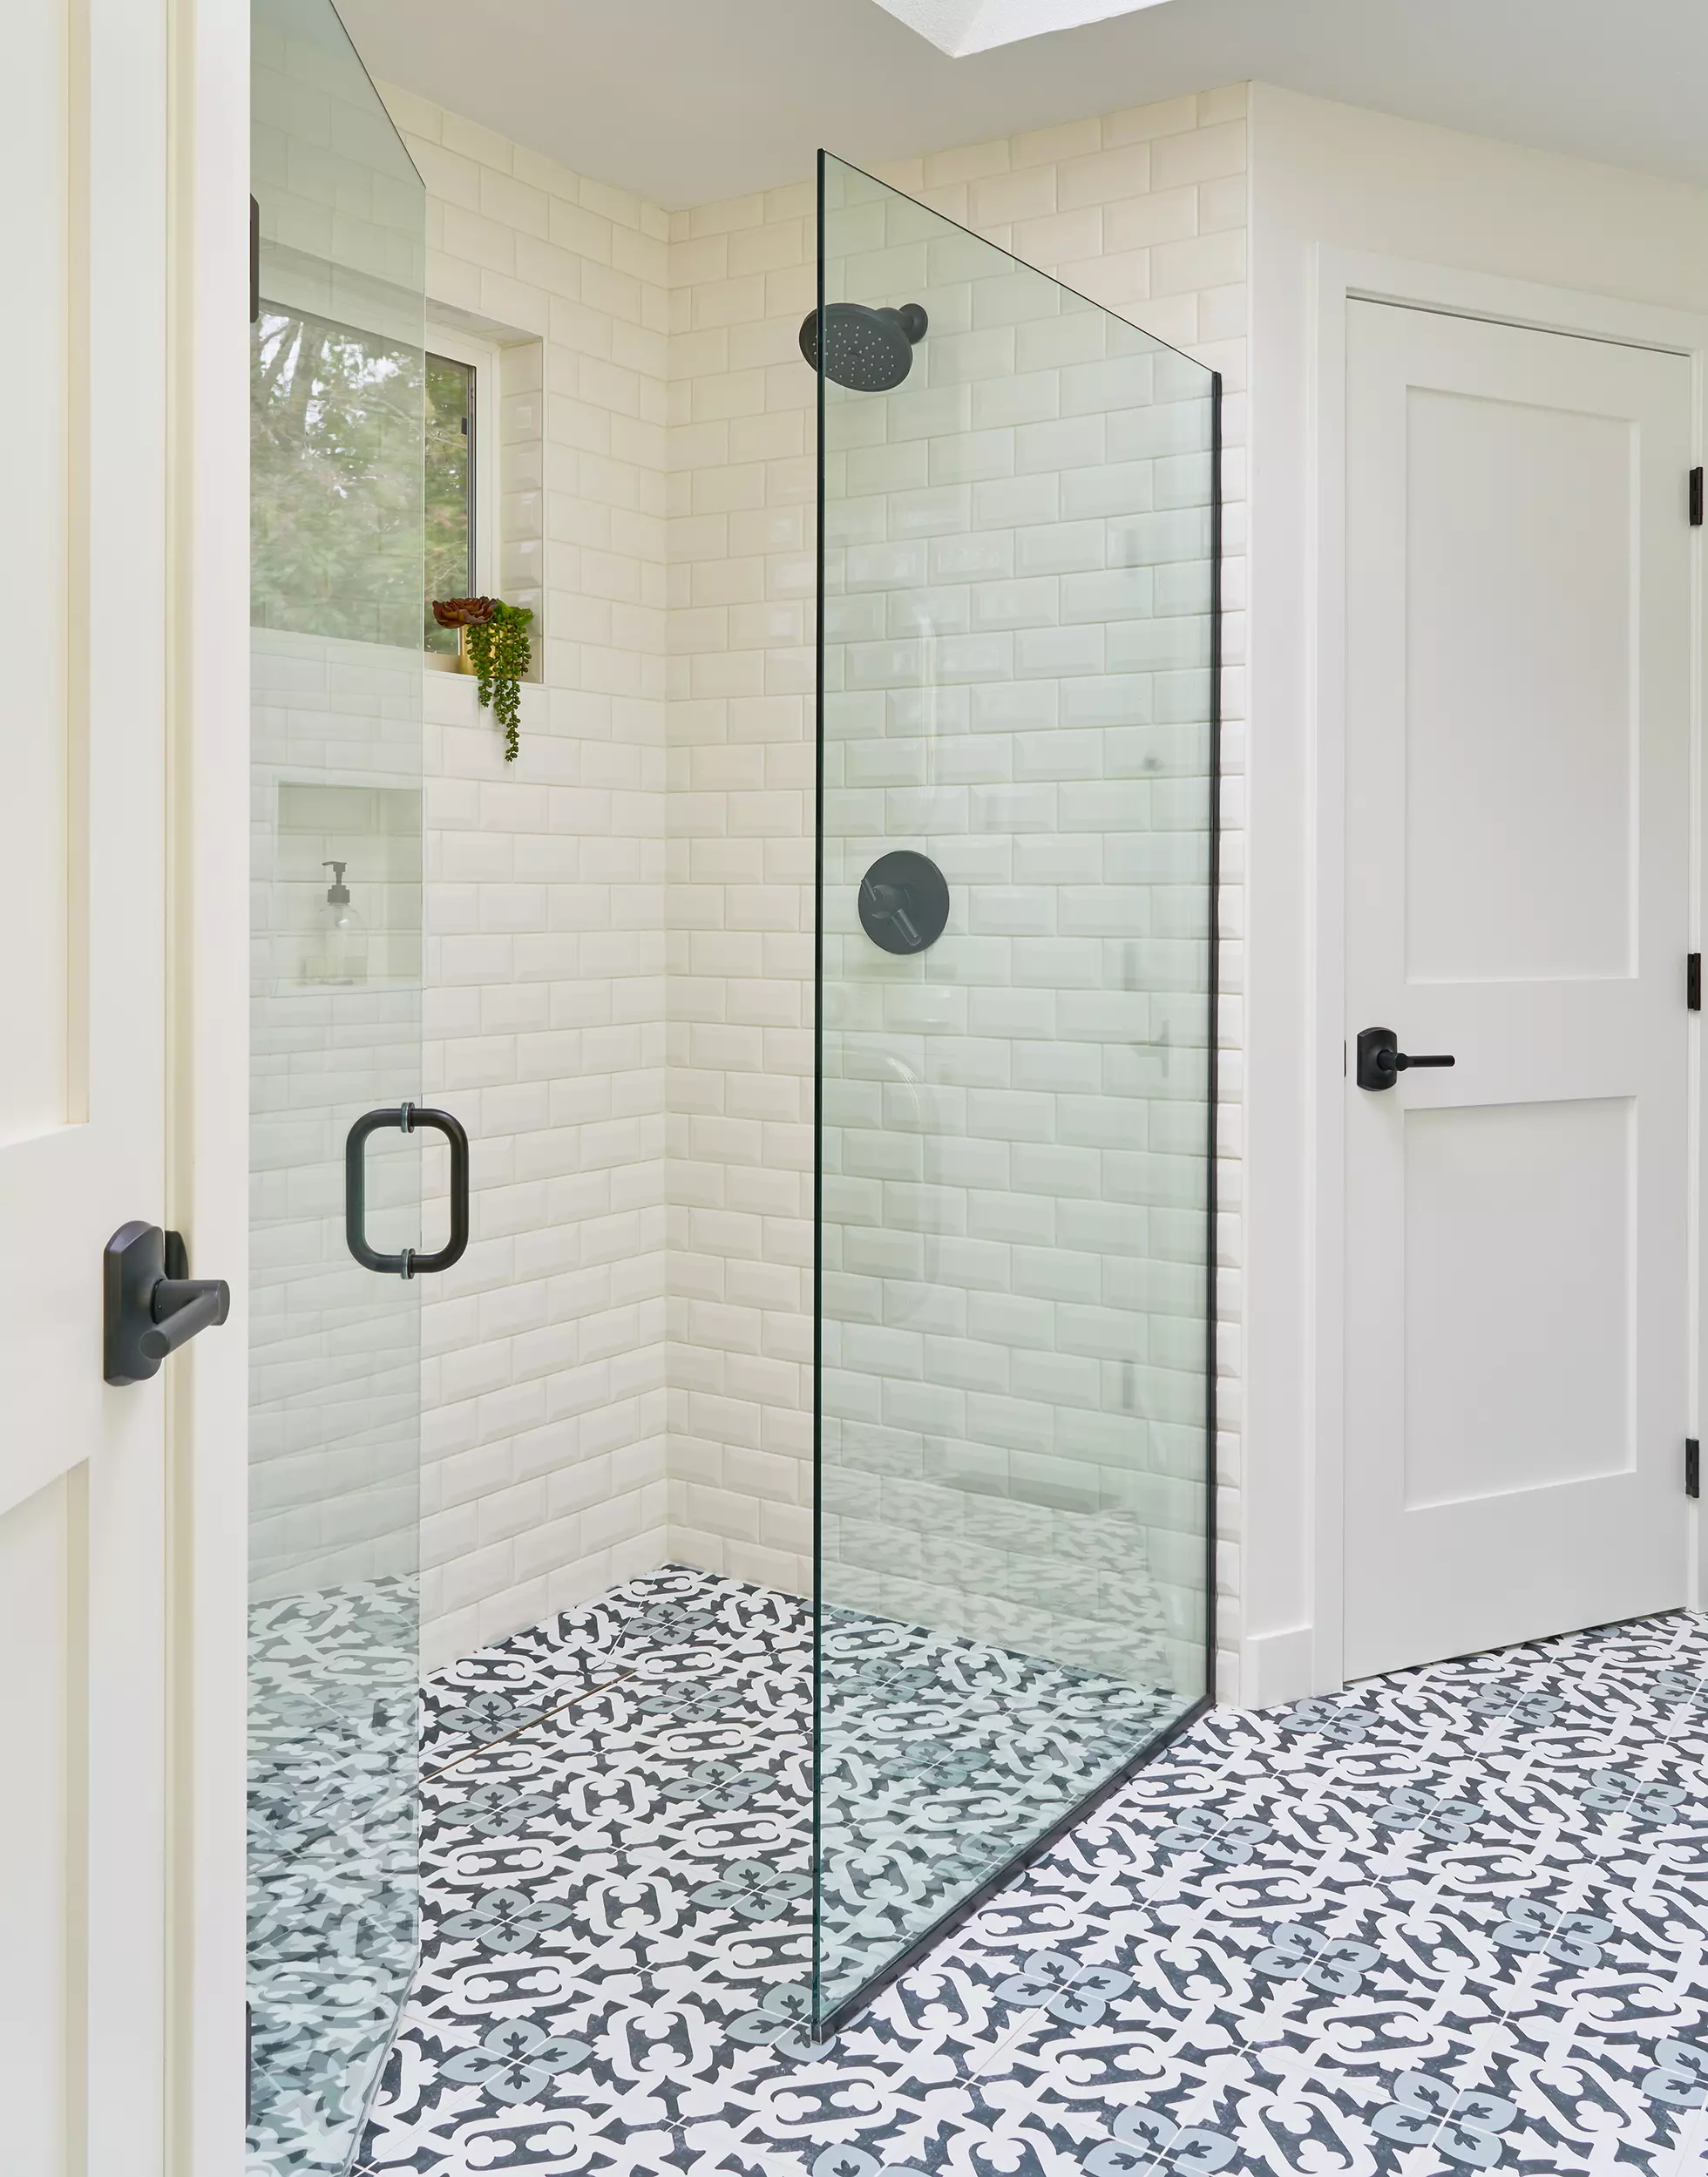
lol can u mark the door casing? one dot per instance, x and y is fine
(208, 1063)
(1338, 277)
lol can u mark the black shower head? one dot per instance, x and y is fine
(869, 350)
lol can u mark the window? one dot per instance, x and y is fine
(335, 496)
(347, 530)
(460, 506)
(449, 507)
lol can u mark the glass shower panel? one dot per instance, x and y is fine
(336, 579)
(1016, 1032)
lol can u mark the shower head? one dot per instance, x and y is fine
(869, 350)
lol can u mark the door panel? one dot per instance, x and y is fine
(1517, 888)
(38, 1539)
(1521, 753)
(1507, 1416)
(82, 1556)
(34, 377)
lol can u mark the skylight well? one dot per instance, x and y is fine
(960, 27)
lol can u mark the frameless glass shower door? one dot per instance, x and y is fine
(336, 552)
(1016, 1039)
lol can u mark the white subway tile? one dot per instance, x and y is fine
(1050, 710)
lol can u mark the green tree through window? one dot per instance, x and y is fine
(336, 481)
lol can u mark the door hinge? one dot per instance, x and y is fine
(254, 262)
(1692, 1467)
(1696, 499)
(1693, 981)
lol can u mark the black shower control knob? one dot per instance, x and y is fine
(904, 901)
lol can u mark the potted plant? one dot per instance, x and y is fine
(493, 643)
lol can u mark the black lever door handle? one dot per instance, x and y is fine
(147, 1313)
(1381, 1061)
(407, 1117)
(181, 1306)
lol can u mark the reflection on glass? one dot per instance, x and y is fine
(1013, 1441)
(451, 458)
(338, 416)
(336, 484)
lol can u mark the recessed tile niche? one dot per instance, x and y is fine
(375, 832)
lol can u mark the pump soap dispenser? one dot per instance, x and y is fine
(338, 949)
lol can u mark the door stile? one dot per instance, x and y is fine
(122, 488)
(206, 1143)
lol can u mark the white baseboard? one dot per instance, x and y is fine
(1277, 1666)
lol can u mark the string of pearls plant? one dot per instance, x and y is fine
(494, 638)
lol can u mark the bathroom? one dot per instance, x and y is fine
(807, 1497)
(584, 1456)
(870, 1488)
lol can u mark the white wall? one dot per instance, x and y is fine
(1331, 175)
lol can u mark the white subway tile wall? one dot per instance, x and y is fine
(521, 542)
(334, 1352)
(543, 1433)
(641, 931)
(1019, 684)
(335, 736)
(1143, 211)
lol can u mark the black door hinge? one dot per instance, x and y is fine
(254, 262)
(1692, 1467)
(1693, 981)
(1696, 499)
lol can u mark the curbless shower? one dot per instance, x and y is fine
(867, 350)
(809, 1637)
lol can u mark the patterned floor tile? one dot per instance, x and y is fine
(1454, 1919)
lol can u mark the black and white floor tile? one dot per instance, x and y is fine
(1452, 1920)
(640, 1854)
(333, 1863)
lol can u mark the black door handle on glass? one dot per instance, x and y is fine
(1381, 1061)
(150, 1305)
(407, 1117)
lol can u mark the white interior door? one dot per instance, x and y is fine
(1517, 895)
(83, 831)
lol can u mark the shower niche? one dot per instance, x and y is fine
(362, 842)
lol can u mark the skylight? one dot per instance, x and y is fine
(959, 27)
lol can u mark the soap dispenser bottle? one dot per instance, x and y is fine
(338, 952)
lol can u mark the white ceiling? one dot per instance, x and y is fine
(689, 101)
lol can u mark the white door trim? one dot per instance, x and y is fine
(207, 1067)
(1340, 276)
